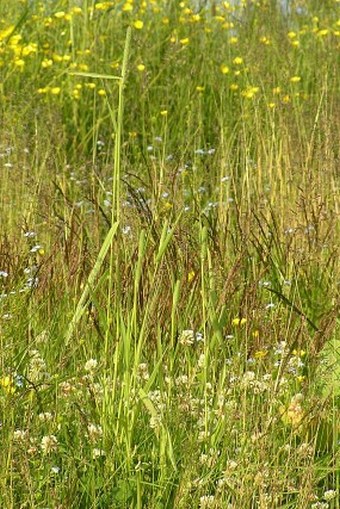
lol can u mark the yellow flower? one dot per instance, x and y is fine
(102, 6)
(55, 90)
(233, 40)
(164, 113)
(224, 69)
(101, 92)
(184, 41)
(127, 7)
(298, 353)
(19, 63)
(83, 67)
(57, 58)
(191, 276)
(59, 15)
(14, 40)
(260, 354)
(234, 87)
(29, 48)
(6, 383)
(47, 62)
(138, 24)
(239, 321)
(322, 33)
(250, 92)
(238, 61)
(141, 67)
(199, 88)
(76, 10)
(6, 32)
(264, 40)
(295, 79)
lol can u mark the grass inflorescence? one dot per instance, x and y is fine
(169, 254)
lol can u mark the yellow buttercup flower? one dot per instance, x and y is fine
(250, 92)
(238, 61)
(127, 7)
(6, 383)
(60, 14)
(239, 321)
(138, 24)
(260, 354)
(19, 63)
(191, 276)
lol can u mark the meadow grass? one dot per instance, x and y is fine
(169, 254)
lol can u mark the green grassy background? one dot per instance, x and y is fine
(169, 254)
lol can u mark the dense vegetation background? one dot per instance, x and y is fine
(169, 254)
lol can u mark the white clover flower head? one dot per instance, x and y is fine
(201, 360)
(95, 431)
(248, 376)
(232, 465)
(189, 337)
(329, 495)
(320, 505)
(91, 365)
(97, 453)
(49, 443)
(20, 435)
(207, 501)
(143, 371)
(30, 234)
(155, 422)
(45, 417)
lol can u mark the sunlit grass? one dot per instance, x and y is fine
(169, 244)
